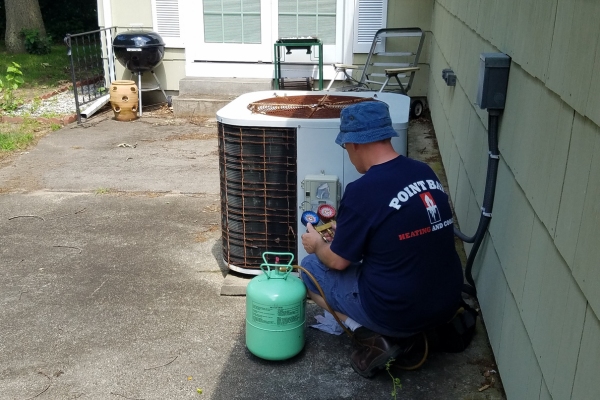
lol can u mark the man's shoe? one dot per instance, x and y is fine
(414, 354)
(362, 335)
(374, 353)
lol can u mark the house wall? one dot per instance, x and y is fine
(137, 14)
(537, 271)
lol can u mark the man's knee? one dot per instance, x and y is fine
(312, 262)
(314, 266)
(309, 259)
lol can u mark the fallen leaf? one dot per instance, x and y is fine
(484, 387)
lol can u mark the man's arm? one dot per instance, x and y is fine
(313, 243)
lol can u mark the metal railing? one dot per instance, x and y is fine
(92, 69)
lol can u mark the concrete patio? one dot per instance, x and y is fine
(111, 275)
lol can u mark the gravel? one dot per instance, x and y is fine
(60, 104)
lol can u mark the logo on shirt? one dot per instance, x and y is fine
(432, 209)
(433, 212)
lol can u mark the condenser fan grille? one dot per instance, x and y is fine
(257, 167)
(305, 106)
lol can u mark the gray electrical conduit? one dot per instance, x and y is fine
(488, 201)
(350, 333)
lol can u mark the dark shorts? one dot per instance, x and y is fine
(341, 291)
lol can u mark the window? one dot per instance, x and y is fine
(303, 18)
(232, 21)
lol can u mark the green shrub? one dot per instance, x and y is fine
(11, 81)
(34, 44)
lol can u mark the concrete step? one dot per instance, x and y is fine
(191, 86)
(203, 97)
(199, 105)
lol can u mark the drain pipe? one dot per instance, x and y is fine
(491, 95)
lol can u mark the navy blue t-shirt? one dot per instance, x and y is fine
(397, 220)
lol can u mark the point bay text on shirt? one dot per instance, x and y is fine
(413, 189)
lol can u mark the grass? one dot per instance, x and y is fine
(41, 75)
(15, 137)
(102, 191)
(48, 70)
(15, 140)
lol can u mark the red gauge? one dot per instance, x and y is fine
(326, 212)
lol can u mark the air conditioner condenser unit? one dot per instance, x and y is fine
(278, 158)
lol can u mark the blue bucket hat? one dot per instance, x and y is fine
(365, 122)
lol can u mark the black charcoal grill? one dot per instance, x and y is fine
(139, 52)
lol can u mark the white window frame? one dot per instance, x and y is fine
(173, 19)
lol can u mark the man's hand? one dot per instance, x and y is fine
(312, 239)
(313, 242)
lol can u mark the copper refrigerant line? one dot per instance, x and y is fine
(350, 333)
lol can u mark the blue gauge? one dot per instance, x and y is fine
(309, 217)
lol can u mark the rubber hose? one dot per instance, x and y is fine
(331, 311)
(488, 201)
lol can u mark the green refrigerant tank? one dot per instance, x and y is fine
(275, 304)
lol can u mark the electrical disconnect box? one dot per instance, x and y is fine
(320, 189)
(449, 76)
(493, 80)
